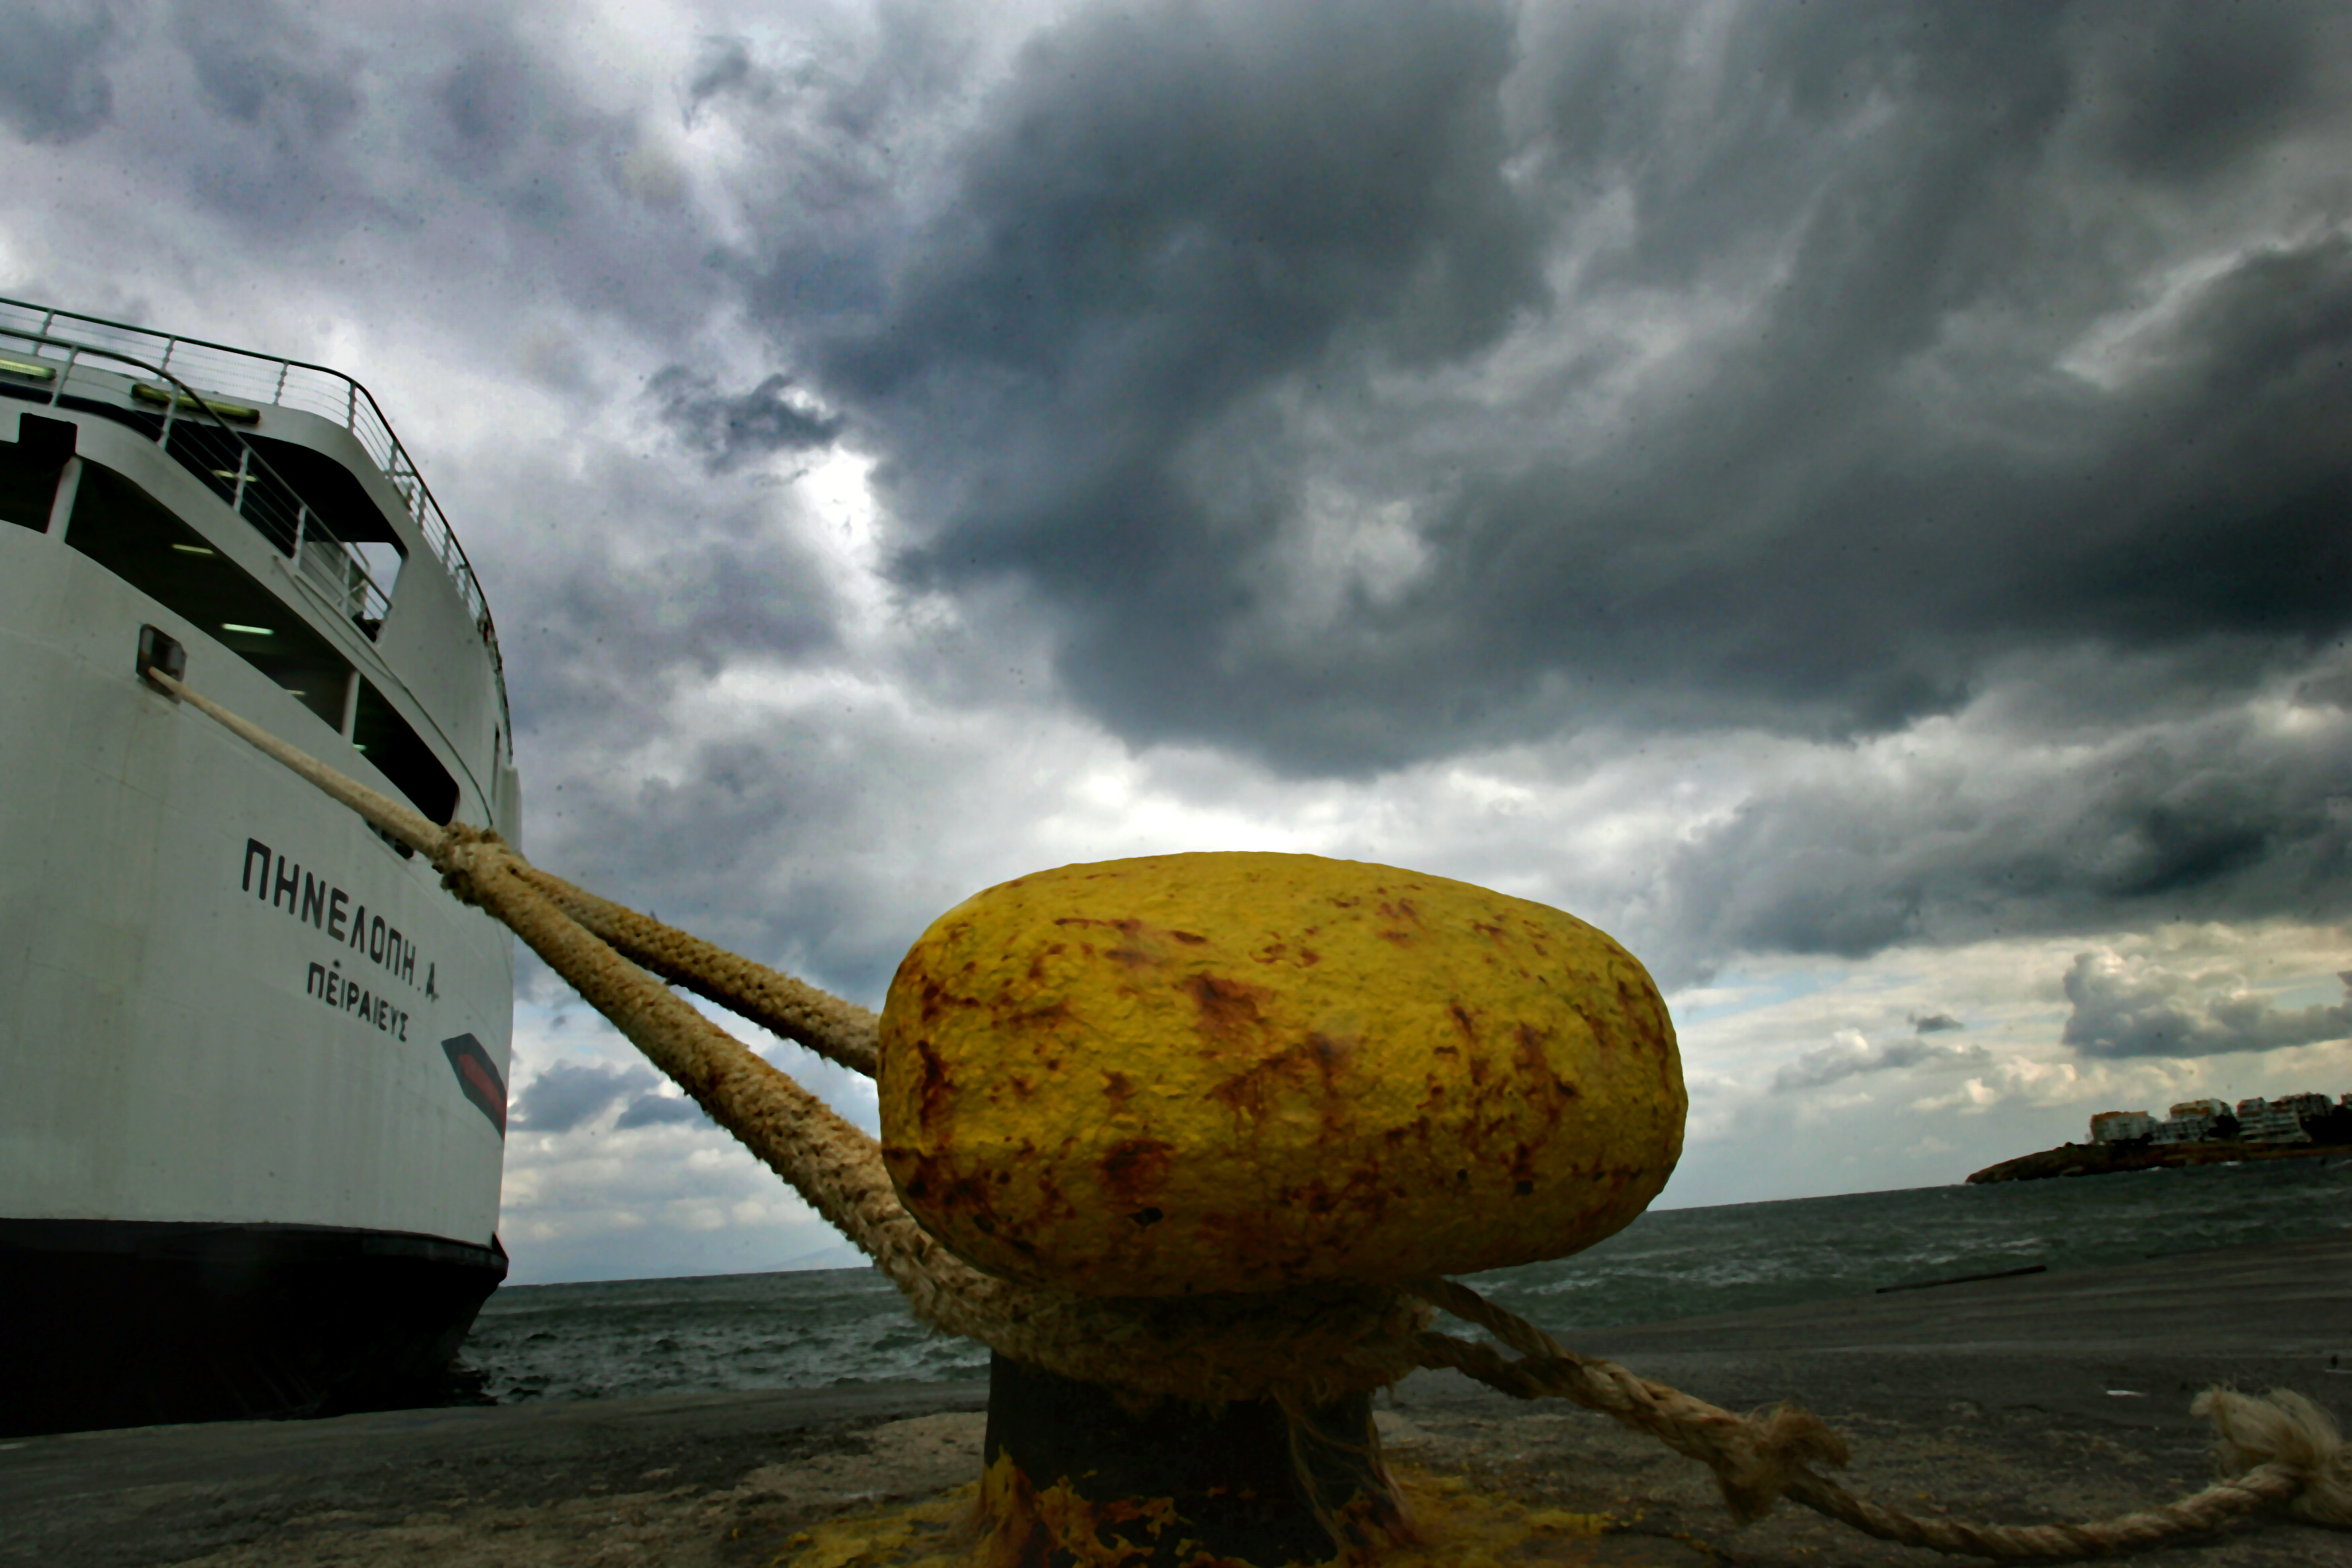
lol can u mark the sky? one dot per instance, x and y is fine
(1850, 499)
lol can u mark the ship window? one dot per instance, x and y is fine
(30, 467)
(400, 754)
(137, 538)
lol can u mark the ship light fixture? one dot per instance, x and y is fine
(146, 392)
(249, 631)
(194, 549)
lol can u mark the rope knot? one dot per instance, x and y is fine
(1756, 1458)
(1761, 1454)
(2284, 1432)
(465, 855)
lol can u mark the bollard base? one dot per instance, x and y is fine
(1073, 1477)
(1454, 1522)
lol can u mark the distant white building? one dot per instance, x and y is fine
(2258, 1120)
(2194, 1129)
(2120, 1126)
(2269, 1124)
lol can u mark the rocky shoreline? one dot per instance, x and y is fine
(2108, 1159)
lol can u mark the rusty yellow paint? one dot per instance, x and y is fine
(1024, 1523)
(1245, 1072)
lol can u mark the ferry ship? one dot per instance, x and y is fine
(252, 1059)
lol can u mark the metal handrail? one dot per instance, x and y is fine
(346, 576)
(273, 381)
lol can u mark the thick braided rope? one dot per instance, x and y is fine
(829, 1162)
(411, 826)
(1754, 1458)
(838, 1030)
(2286, 1448)
(2207, 1509)
(841, 1031)
(2283, 1429)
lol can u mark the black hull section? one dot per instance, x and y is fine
(116, 1324)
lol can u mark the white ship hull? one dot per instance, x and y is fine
(253, 1125)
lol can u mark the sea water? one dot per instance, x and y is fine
(824, 1327)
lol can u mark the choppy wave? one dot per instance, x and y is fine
(826, 1327)
(1688, 1263)
(806, 1330)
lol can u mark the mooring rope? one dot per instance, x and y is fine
(2281, 1449)
(1311, 1344)
(1325, 1340)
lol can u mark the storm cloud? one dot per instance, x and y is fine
(1788, 368)
(660, 1110)
(2124, 1008)
(728, 431)
(257, 64)
(1849, 1055)
(567, 1095)
(2003, 821)
(53, 85)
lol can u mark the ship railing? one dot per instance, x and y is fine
(193, 428)
(238, 376)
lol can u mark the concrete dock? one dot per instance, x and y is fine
(2028, 1399)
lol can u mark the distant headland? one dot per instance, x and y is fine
(2197, 1132)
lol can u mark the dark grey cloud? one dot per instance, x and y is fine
(262, 66)
(445, 165)
(1192, 278)
(660, 1110)
(614, 640)
(483, 109)
(767, 846)
(1935, 1022)
(1193, 283)
(1853, 1056)
(2011, 831)
(612, 581)
(1194, 260)
(2212, 85)
(569, 1095)
(637, 582)
(727, 431)
(1169, 211)
(825, 83)
(2122, 1009)
(725, 67)
(54, 85)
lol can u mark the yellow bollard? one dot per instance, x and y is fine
(1238, 1073)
